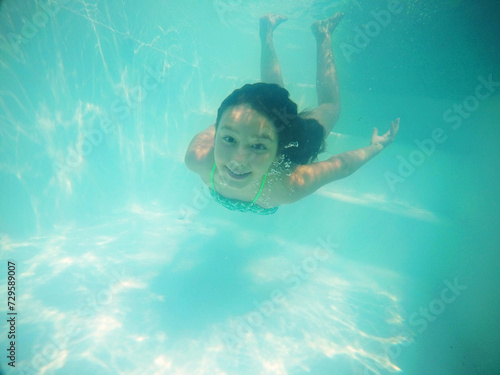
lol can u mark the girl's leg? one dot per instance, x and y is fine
(327, 87)
(270, 71)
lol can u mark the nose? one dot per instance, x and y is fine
(241, 156)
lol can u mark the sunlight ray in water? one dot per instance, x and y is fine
(382, 202)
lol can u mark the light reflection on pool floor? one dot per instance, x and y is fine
(147, 293)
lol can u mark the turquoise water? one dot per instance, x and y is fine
(124, 265)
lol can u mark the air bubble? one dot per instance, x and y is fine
(292, 144)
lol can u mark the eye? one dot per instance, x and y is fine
(228, 139)
(259, 147)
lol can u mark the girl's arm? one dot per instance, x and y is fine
(306, 179)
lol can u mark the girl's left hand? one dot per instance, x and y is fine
(386, 139)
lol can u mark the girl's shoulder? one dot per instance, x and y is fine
(200, 153)
(280, 187)
(294, 183)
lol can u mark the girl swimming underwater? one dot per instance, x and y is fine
(261, 152)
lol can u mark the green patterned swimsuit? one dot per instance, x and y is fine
(237, 205)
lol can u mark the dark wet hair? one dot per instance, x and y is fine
(300, 139)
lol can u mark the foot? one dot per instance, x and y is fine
(326, 26)
(269, 22)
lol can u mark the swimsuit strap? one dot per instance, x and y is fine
(258, 194)
(212, 178)
(261, 188)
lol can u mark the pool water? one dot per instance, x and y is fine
(122, 262)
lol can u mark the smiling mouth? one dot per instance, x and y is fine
(237, 176)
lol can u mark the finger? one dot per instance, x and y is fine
(394, 127)
(375, 132)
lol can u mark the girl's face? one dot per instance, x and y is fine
(245, 146)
